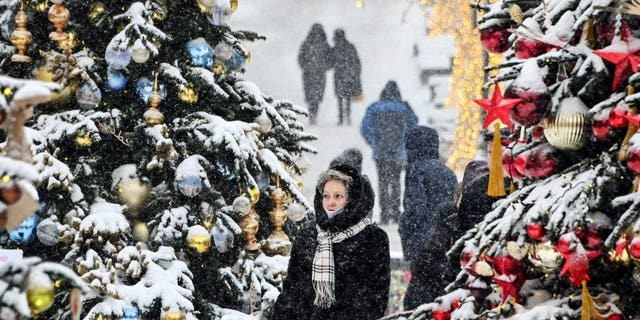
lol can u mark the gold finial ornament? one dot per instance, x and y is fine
(278, 216)
(21, 37)
(234, 5)
(250, 226)
(153, 116)
(58, 15)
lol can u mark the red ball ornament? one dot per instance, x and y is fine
(532, 108)
(540, 163)
(617, 117)
(525, 48)
(509, 166)
(521, 163)
(535, 230)
(633, 160)
(441, 315)
(495, 40)
(465, 257)
(564, 245)
(615, 317)
(600, 129)
(634, 248)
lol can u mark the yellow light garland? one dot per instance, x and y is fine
(466, 77)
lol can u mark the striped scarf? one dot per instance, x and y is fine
(323, 275)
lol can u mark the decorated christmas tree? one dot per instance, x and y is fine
(563, 242)
(153, 150)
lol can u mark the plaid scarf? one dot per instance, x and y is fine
(323, 275)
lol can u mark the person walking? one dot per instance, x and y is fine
(346, 69)
(431, 270)
(339, 269)
(313, 59)
(428, 182)
(384, 127)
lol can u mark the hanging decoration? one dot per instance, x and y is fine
(116, 80)
(222, 238)
(296, 212)
(139, 52)
(40, 291)
(25, 232)
(200, 53)
(153, 116)
(21, 37)
(117, 59)
(625, 55)
(198, 239)
(497, 109)
(144, 87)
(576, 258)
(47, 232)
(58, 15)
(568, 129)
(173, 315)
(188, 95)
(495, 40)
(88, 96)
(131, 313)
(533, 94)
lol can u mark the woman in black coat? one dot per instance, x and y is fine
(346, 67)
(361, 274)
(313, 59)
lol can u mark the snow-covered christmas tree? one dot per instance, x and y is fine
(565, 242)
(165, 179)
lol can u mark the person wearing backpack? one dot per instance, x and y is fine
(384, 127)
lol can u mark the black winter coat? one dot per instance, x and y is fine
(361, 262)
(314, 60)
(432, 270)
(428, 183)
(346, 66)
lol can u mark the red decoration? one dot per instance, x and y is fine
(540, 163)
(601, 129)
(615, 317)
(576, 258)
(521, 163)
(532, 107)
(510, 276)
(634, 247)
(633, 160)
(621, 244)
(495, 40)
(625, 55)
(535, 230)
(497, 107)
(509, 167)
(525, 48)
(441, 315)
(617, 116)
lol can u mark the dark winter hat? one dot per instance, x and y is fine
(351, 157)
(473, 170)
(338, 35)
(422, 141)
(317, 32)
(391, 92)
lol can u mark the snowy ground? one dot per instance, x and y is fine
(384, 32)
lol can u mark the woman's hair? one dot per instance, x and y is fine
(333, 175)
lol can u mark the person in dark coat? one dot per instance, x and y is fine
(428, 182)
(384, 127)
(346, 69)
(353, 158)
(313, 59)
(432, 270)
(355, 283)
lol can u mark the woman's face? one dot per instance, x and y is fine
(334, 195)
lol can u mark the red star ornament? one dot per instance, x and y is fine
(625, 55)
(635, 119)
(497, 108)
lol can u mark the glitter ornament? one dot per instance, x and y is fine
(47, 232)
(116, 80)
(117, 59)
(88, 96)
(296, 212)
(200, 53)
(144, 87)
(190, 185)
(222, 238)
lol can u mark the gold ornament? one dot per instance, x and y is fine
(278, 241)
(206, 5)
(234, 5)
(199, 239)
(84, 140)
(21, 37)
(42, 6)
(96, 10)
(40, 292)
(569, 128)
(219, 68)
(254, 195)
(544, 257)
(133, 193)
(69, 43)
(188, 95)
(173, 315)
(58, 15)
(140, 231)
(249, 226)
(153, 116)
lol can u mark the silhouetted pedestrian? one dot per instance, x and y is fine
(384, 127)
(346, 65)
(313, 59)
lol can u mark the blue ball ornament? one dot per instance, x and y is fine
(190, 185)
(200, 53)
(144, 87)
(131, 313)
(237, 60)
(116, 80)
(117, 59)
(23, 235)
